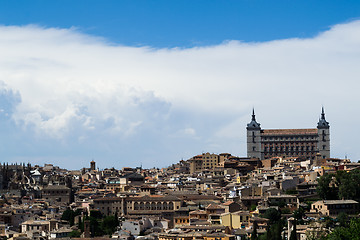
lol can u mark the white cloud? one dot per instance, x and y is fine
(71, 82)
(188, 132)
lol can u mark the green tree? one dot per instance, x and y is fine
(325, 190)
(95, 214)
(95, 227)
(100, 226)
(343, 219)
(276, 224)
(318, 234)
(254, 235)
(274, 232)
(285, 211)
(75, 234)
(342, 185)
(273, 215)
(298, 214)
(281, 204)
(349, 184)
(109, 224)
(69, 215)
(329, 222)
(252, 207)
(352, 232)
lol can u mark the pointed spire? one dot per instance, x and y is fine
(253, 125)
(322, 122)
(322, 113)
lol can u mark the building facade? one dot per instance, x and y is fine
(308, 143)
(57, 194)
(334, 207)
(205, 161)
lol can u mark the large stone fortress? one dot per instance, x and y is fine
(307, 143)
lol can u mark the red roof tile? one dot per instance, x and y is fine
(309, 131)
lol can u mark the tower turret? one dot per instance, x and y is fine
(323, 124)
(254, 138)
(324, 136)
(253, 125)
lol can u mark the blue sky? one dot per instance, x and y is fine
(183, 23)
(152, 82)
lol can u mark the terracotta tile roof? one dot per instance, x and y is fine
(198, 212)
(228, 203)
(309, 131)
(213, 206)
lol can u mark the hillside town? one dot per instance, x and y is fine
(299, 192)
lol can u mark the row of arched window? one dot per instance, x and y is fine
(153, 206)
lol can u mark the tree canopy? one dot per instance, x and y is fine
(350, 232)
(340, 185)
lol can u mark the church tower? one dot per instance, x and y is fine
(253, 130)
(323, 127)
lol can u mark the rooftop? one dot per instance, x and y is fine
(339, 202)
(309, 131)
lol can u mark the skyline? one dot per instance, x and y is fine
(73, 91)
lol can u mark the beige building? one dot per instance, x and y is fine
(334, 207)
(210, 161)
(206, 161)
(153, 205)
(195, 164)
(34, 228)
(236, 219)
(223, 157)
(110, 206)
(181, 221)
(57, 194)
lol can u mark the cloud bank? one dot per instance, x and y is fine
(68, 97)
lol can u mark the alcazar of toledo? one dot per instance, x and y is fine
(308, 143)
